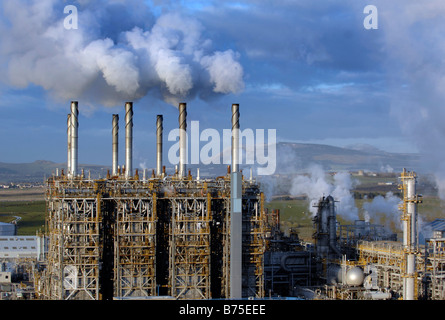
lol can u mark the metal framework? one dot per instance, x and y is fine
(74, 252)
(127, 238)
(434, 269)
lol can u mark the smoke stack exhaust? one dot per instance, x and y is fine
(74, 134)
(235, 137)
(182, 138)
(115, 143)
(128, 139)
(159, 130)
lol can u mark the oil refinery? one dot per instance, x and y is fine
(139, 235)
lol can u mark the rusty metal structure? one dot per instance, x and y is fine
(132, 237)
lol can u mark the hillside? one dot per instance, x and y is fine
(291, 158)
(39, 170)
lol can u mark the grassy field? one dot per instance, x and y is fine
(32, 214)
(28, 204)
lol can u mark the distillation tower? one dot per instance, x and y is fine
(129, 236)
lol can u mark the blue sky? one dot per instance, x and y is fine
(308, 69)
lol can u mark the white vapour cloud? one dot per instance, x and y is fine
(119, 51)
(415, 46)
(386, 207)
(315, 186)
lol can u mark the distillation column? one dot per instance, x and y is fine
(409, 220)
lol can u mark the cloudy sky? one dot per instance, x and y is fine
(309, 69)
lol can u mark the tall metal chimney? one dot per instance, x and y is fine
(68, 134)
(115, 143)
(182, 139)
(128, 139)
(159, 129)
(235, 212)
(235, 137)
(74, 129)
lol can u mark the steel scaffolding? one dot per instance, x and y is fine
(127, 238)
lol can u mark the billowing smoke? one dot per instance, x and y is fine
(120, 51)
(315, 186)
(383, 210)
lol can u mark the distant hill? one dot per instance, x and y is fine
(291, 158)
(39, 170)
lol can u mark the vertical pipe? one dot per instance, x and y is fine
(235, 137)
(182, 139)
(115, 143)
(159, 130)
(74, 135)
(128, 139)
(68, 134)
(236, 213)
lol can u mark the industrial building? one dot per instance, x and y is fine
(132, 235)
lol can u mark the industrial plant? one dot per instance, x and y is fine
(152, 235)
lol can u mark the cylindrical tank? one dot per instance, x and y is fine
(355, 276)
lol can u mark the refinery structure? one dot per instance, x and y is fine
(139, 235)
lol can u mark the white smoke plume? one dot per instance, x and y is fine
(315, 186)
(120, 51)
(383, 210)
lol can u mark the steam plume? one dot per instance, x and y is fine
(119, 52)
(315, 186)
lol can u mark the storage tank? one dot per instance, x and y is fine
(8, 229)
(355, 276)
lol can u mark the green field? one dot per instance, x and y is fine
(32, 214)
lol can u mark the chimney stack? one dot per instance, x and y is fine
(74, 134)
(236, 221)
(128, 139)
(235, 137)
(182, 139)
(115, 143)
(68, 134)
(159, 130)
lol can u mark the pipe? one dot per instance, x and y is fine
(68, 134)
(235, 137)
(115, 146)
(159, 130)
(128, 139)
(74, 135)
(182, 139)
